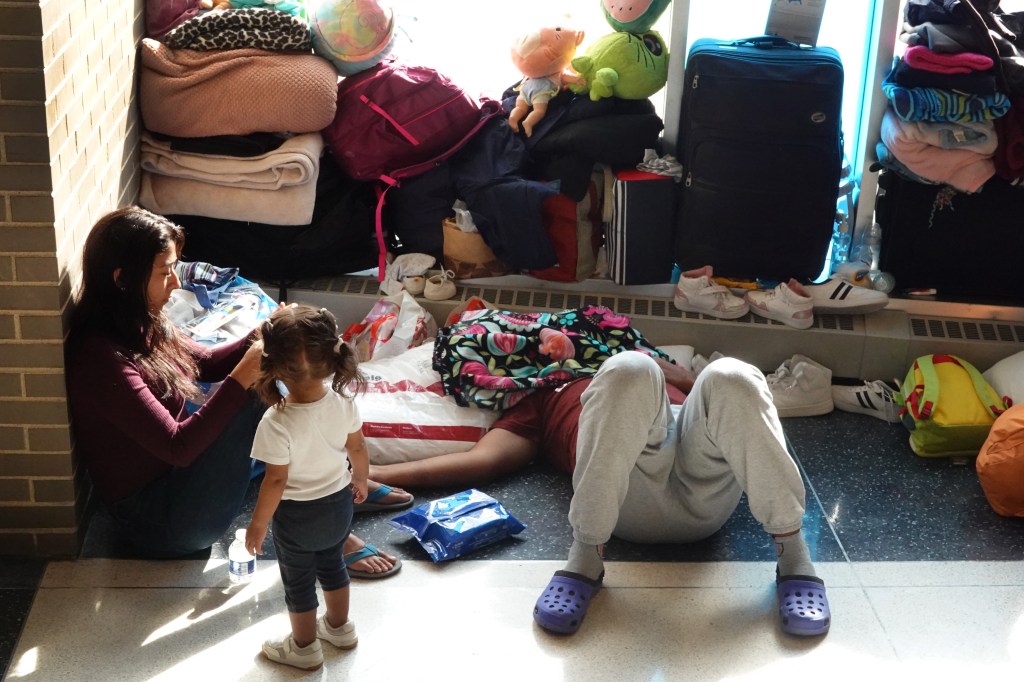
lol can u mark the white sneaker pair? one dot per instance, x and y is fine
(311, 657)
(801, 387)
(788, 303)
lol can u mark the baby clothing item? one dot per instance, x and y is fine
(406, 265)
(538, 90)
(665, 165)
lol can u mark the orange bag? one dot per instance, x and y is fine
(1000, 464)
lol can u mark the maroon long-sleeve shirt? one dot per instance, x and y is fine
(126, 434)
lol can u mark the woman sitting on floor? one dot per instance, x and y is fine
(174, 482)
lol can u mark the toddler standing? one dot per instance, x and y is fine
(317, 465)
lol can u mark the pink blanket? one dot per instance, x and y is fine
(188, 93)
(963, 169)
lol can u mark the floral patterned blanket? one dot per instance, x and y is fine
(493, 359)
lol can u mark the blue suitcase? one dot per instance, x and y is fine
(760, 141)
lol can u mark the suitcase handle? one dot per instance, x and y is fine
(768, 42)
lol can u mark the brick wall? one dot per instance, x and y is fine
(68, 154)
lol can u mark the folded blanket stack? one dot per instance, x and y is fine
(939, 127)
(233, 103)
(947, 117)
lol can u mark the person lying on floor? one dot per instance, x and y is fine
(645, 477)
(174, 482)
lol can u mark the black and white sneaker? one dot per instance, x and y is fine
(874, 398)
(836, 295)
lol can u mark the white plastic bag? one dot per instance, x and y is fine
(406, 415)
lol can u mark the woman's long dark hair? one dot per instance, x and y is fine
(130, 239)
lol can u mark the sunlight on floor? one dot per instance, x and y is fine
(212, 602)
(25, 665)
(469, 620)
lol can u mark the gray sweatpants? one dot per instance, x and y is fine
(646, 477)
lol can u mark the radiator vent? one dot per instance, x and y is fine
(537, 299)
(966, 330)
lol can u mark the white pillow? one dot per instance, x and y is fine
(1007, 377)
(683, 355)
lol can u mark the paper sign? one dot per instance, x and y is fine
(796, 20)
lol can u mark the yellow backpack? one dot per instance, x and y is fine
(947, 406)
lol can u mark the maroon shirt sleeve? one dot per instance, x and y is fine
(129, 436)
(216, 363)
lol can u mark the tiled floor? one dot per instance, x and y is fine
(925, 582)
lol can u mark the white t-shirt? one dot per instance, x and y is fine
(310, 439)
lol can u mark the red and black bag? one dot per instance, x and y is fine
(397, 121)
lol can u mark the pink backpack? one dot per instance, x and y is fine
(396, 121)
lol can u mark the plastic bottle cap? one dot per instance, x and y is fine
(240, 534)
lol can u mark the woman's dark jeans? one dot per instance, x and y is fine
(190, 508)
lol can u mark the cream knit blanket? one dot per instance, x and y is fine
(295, 162)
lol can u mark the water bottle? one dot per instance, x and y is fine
(840, 242)
(241, 564)
(882, 281)
(868, 252)
(869, 246)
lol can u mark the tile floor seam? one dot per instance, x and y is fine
(817, 499)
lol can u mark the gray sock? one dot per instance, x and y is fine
(585, 560)
(794, 557)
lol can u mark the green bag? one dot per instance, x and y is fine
(947, 406)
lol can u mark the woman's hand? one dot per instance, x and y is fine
(248, 368)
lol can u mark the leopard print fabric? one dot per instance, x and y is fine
(263, 29)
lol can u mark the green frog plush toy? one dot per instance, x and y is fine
(632, 62)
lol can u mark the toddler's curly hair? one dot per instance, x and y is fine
(302, 342)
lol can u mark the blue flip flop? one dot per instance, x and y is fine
(367, 551)
(803, 605)
(564, 602)
(372, 503)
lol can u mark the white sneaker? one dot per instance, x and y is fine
(701, 295)
(287, 652)
(836, 295)
(699, 362)
(874, 398)
(783, 303)
(801, 388)
(343, 637)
